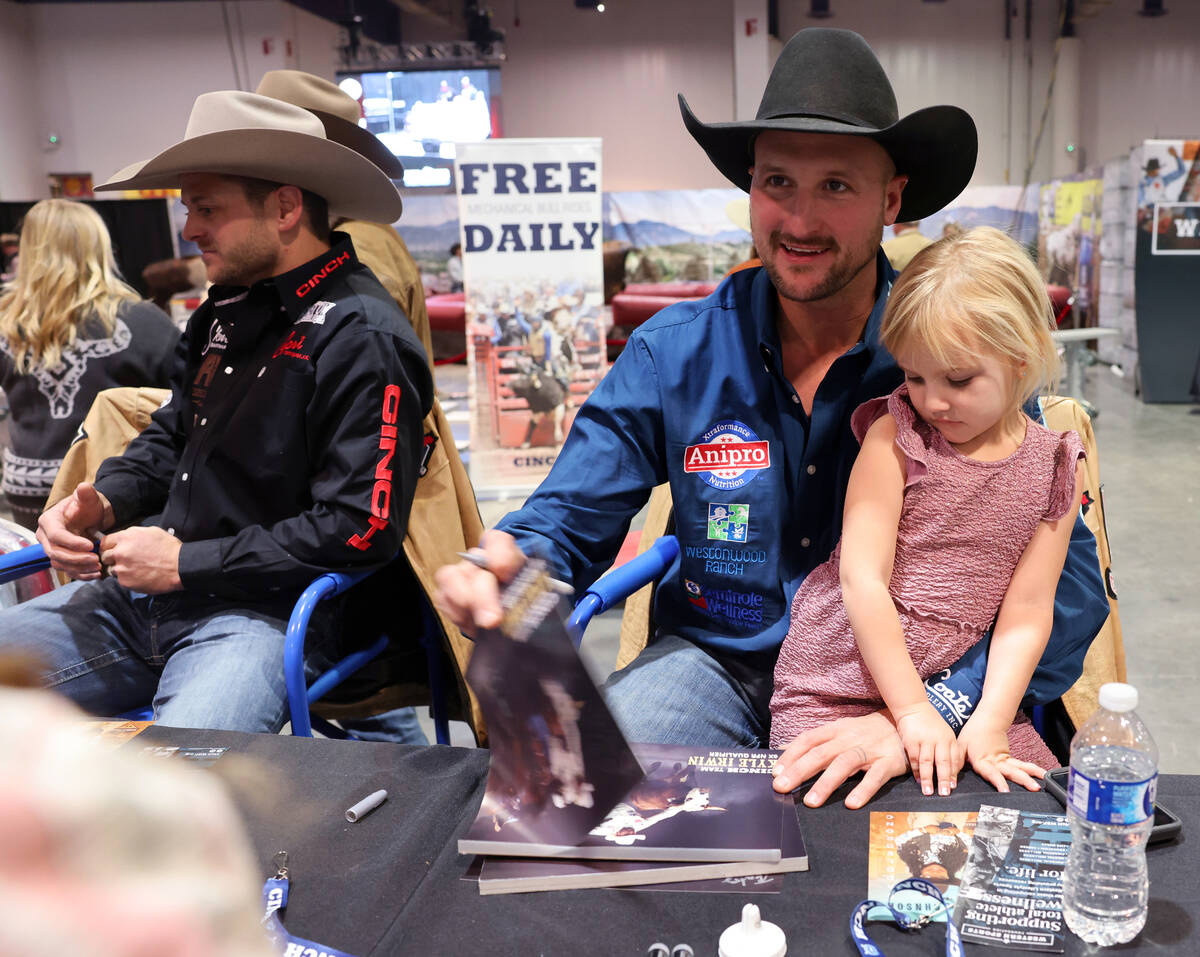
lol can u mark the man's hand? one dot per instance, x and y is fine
(986, 747)
(930, 744)
(841, 748)
(142, 559)
(470, 595)
(69, 530)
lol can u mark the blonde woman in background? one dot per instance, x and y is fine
(69, 327)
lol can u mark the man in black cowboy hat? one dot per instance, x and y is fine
(744, 398)
(289, 446)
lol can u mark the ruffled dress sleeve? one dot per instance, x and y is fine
(1067, 454)
(912, 439)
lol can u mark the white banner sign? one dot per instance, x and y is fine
(530, 220)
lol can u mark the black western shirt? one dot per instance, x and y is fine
(291, 443)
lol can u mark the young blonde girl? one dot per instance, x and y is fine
(958, 514)
(69, 327)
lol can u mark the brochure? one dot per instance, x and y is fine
(1011, 893)
(930, 844)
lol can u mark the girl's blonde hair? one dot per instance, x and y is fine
(972, 293)
(66, 275)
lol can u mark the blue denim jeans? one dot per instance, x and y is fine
(204, 662)
(675, 693)
(400, 726)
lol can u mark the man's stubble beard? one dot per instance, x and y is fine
(840, 274)
(251, 259)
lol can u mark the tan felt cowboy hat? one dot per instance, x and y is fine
(337, 110)
(244, 134)
(829, 81)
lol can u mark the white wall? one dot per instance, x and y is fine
(574, 72)
(116, 80)
(20, 160)
(313, 42)
(1141, 78)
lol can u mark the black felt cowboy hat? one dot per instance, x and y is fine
(829, 81)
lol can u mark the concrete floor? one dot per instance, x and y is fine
(1150, 474)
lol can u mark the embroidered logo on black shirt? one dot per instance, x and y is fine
(291, 346)
(318, 277)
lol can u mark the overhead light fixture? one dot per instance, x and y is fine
(1152, 8)
(819, 10)
(596, 5)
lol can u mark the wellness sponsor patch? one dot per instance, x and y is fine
(728, 523)
(728, 456)
(738, 608)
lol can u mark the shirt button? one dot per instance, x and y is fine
(204, 421)
(806, 541)
(795, 399)
(229, 370)
(170, 531)
(811, 470)
(183, 477)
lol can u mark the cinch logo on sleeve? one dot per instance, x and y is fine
(381, 494)
(728, 456)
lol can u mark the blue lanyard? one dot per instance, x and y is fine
(867, 947)
(275, 898)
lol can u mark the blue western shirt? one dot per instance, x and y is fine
(699, 399)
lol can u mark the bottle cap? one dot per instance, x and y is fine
(1115, 696)
(752, 937)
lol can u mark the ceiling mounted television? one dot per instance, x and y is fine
(420, 114)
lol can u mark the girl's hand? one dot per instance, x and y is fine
(930, 745)
(986, 747)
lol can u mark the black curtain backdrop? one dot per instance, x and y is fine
(140, 230)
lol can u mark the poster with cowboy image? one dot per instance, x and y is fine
(530, 218)
(1167, 176)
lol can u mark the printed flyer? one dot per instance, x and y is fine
(1011, 892)
(928, 844)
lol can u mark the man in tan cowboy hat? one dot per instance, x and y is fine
(744, 398)
(445, 517)
(289, 446)
(377, 244)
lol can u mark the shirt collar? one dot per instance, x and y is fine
(302, 286)
(297, 289)
(765, 302)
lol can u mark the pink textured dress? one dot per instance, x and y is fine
(963, 527)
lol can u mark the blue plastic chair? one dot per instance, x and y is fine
(604, 593)
(620, 583)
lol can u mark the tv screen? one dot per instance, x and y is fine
(420, 114)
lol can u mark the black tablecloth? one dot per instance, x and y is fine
(391, 884)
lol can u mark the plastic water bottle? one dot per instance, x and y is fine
(1114, 773)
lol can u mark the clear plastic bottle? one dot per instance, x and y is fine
(1114, 773)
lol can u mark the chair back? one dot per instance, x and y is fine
(1105, 659)
(114, 419)
(637, 621)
